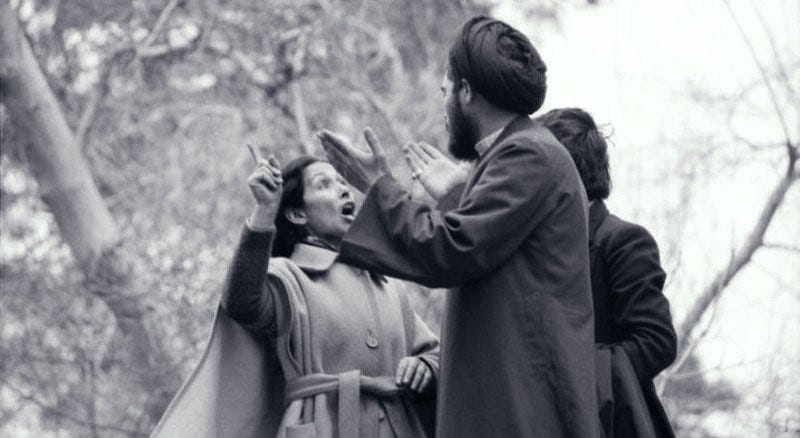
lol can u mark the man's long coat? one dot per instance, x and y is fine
(517, 338)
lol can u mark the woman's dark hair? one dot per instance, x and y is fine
(287, 234)
(576, 130)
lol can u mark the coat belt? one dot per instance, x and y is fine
(349, 386)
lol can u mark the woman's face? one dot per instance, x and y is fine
(327, 202)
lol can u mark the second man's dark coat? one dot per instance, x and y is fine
(517, 338)
(633, 326)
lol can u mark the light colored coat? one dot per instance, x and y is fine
(337, 332)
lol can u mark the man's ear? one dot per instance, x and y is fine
(465, 92)
(296, 216)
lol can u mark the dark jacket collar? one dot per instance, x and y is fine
(597, 214)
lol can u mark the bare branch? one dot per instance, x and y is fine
(145, 50)
(764, 76)
(739, 258)
(783, 247)
(98, 94)
(787, 85)
(162, 19)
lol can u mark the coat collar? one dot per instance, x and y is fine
(312, 258)
(317, 259)
(598, 212)
(515, 125)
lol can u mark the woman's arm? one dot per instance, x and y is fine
(246, 295)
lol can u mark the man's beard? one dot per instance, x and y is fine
(463, 134)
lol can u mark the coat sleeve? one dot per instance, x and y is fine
(640, 309)
(400, 237)
(247, 292)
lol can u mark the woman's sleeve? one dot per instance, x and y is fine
(247, 295)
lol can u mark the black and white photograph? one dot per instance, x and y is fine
(399, 218)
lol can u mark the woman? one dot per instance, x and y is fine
(352, 356)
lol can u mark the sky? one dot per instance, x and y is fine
(646, 70)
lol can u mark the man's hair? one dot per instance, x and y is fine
(576, 130)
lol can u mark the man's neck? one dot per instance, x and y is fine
(492, 122)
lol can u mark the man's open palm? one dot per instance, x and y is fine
(437, 174)
(359, 167)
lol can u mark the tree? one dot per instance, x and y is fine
(67, 188)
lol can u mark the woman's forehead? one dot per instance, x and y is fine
(319, 168)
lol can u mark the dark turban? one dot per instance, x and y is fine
(500, 63)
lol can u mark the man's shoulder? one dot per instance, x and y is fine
(529, 134)
(617, 231)
(534, 139)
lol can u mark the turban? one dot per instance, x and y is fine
(500, 63)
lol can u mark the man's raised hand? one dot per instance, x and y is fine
(360, 168)
(437, 174)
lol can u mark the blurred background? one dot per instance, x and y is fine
(123, 193)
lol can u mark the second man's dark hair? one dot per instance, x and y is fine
(576, 130)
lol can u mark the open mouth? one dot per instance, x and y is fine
(349, 210)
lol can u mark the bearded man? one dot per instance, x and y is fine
(517, 337)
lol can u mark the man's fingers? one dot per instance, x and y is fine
(330, 139)
(431, 151)
(373, 142)
(414, 162)
(417, 150)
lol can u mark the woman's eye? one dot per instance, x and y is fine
(324, 184)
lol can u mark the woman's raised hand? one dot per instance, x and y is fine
(266, 186)
(437, 174)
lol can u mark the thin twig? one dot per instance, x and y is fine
(764, 75)
(783, 246)
(162, 19)
(775, 52)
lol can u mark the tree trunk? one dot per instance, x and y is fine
(85, 223)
